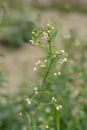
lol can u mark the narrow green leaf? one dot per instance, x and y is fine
(28, 117)
(48, 92)
(34, 124)
(53, 36)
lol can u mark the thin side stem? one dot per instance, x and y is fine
(44, 80)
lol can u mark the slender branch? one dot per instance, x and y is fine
(45, 77)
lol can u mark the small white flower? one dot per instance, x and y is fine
(55, 74)
(35, 88)
(39, 61)
(47, 126)
(20, 114)
(62, 51)
(45, 34)
(57, 108)
(35, 68)
(31, 41)
(36, 63)
(61, 61)
(59, 73)
(27, 99)
(48, 31)
(54, 56)
(65, 59)
(52, 27)
(45, 60)
(33, 32)
(42, 66)
(60, 106)
(53, 98)
(36, 92)
(29, 102)
(56, 52)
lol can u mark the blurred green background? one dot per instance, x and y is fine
(17, 58)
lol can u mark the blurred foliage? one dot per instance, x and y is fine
(15, 33)
(69, 7)
(14, 28)
(15, 4)
(10, 107)
(63, 6)
(26, 30)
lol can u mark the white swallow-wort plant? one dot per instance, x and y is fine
(43, 102)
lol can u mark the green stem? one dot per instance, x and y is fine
(43, 86)
(57, 120)
(44, 80)
(50, 47)
(46, 75)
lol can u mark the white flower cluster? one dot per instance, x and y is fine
(36, 90)
(39, 35)
(50, 27)
(58, 107)
(61, 61)
(28, 100)
(40, 64)
(31, 41)
(54, 99)
(45, 35)
(58, 73)
(61, 54)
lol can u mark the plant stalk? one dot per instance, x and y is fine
(57, 120)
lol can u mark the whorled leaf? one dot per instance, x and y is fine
(53, 36)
